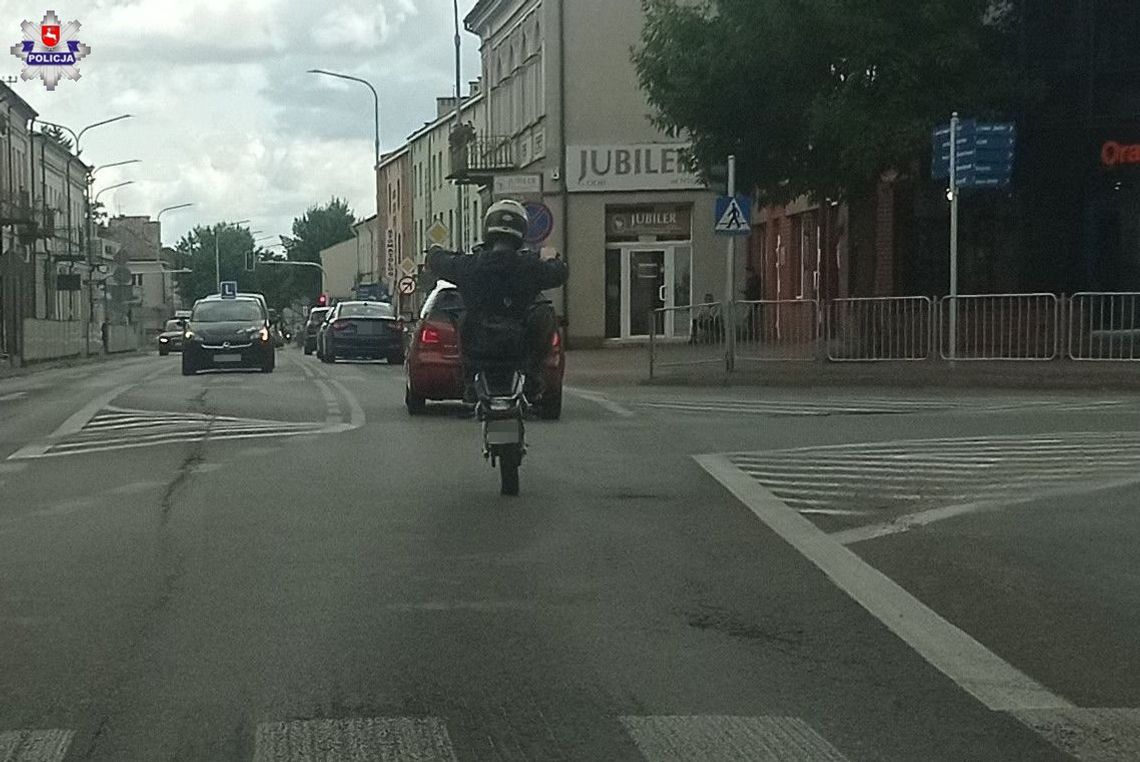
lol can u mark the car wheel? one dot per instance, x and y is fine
(395, 359)
(308, 349)
(163, 352)
(188, 368)
(550, 409)
(415, 405)
(327, 358)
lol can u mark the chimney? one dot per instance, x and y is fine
(473, 87)
(444, 106)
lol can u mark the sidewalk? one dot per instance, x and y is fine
(7, 371)
(630, 367)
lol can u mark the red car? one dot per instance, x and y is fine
(434, 366)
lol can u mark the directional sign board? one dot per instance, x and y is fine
(407, 266)
(541, 222)
(983, 153)
(407, 285)
(228, 289)
(733, 215)
(390, 255)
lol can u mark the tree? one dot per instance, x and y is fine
(196, 252)
(318, 228)
(57, 135)
(821, 97)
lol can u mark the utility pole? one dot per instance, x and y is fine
(953, 235)
(458, 123)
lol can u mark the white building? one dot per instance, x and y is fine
(351, 264)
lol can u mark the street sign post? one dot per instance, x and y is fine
(228, 289)
(969, 154)
(390, 255)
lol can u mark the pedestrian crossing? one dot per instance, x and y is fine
(116, 428)
(699, 738)
(910, 475)
(882, 406)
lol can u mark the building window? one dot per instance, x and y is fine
(137, 279)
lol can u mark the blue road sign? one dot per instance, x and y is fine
(984, 153)
(541, 222)
(228, 289)
(733, 215)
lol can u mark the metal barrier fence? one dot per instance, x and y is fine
(1104, 326)
(880, 328)
(784, 330)
(1000, 327)
(686, 336)
(1094, 326)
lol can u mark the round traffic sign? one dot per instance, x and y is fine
(541, 222)
(407, 285)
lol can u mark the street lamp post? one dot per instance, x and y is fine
(158, 251)
(115, 164)
(376, 125)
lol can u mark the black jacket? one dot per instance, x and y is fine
(498, 281)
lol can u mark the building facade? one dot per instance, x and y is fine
(633, 222)
(351, 267)
(396, 223)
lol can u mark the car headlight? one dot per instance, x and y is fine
(263, 334)
(162, 339)
(188, 335)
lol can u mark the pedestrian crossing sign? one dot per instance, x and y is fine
(733, 215)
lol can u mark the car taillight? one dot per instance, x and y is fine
(341, 325)
(556, 340)
(430, 335)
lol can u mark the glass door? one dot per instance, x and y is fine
(646, 279)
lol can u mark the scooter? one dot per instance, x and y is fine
(500, 409)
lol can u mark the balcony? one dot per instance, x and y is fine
(476, 159)
(40, 225)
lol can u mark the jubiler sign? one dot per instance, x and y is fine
(638, 167)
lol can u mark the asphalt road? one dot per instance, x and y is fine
(239, 566)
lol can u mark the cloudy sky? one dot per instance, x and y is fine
(225, 115)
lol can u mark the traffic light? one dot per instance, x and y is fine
(250, 261)
(323, 300)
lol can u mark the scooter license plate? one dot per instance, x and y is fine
(502, 432)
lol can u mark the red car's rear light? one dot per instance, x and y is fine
(430, 335)
(341, 325)
(556, 340)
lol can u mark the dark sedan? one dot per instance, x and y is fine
(227, 333)
(313, 323)
(367, 330)
(170, 340)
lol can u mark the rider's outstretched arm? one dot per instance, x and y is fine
(552, 273)
(446, 265)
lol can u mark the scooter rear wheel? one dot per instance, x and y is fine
(509, 461)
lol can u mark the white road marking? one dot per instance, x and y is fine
(383, 739)
(13, 396)
(35, 745)
(729, 739)
(911, 521)
(878, 406)
(934, 479)
(972, 666)
(72, 425)
(602, 400)
(356, 412)
(1090, 735)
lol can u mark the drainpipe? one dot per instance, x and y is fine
(565, 202)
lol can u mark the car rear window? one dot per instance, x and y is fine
(225, 311)
(173, 325)
(372, 310)
(318, 316)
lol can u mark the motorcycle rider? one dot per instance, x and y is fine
(500, 281)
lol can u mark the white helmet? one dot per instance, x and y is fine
(508, 218)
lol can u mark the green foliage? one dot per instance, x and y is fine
(57, 135)
(318, 228)
(820, 97)
(196, 252)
